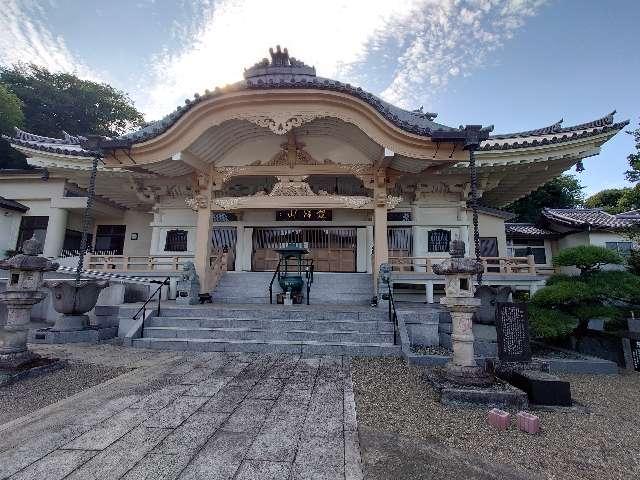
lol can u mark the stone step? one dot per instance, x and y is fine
(282, 346)
(278, 312)
(278, 325)
(225, 334)
(334, 288)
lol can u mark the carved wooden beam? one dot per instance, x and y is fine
(192, 160)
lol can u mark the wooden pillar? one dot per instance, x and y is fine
(202, 205)
(381, 244)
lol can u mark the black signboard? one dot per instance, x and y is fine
(635, 354)
(512, 326)
(398, 216)
(438, 240)
(304, 215)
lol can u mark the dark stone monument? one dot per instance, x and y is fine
(635, 354)
(515, 364)
(542, 388)
(512, 327)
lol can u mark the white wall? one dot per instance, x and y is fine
(136, 222)
(9, 226)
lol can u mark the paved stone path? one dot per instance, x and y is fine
(197, 416)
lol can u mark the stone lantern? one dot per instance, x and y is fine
(23, 292)
(459, 272)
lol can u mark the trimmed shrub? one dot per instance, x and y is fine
(587, 258)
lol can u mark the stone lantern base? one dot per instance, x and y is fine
(463, 369)
(13, 337)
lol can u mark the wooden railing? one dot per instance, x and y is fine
(499, 265)
(124, 263)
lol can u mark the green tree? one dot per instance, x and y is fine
(53, 102)
(11, 115)
(568, 302)
(633, 174)
(564, 191)
(587, 258)
(10, 110)
(615, 200)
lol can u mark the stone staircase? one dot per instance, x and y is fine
(327, 288)
(319, 329)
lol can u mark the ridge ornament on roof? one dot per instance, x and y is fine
(281, 63)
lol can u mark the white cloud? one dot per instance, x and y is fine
(25, 38)
(406, 49)
(236, 34)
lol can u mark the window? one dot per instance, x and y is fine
(110, 239)
(72, 241)
(400, 241)
(30, 227)
(488, 247)
(521, 247)
(176, 241)
(623, 248)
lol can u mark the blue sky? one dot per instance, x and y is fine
(517, 64)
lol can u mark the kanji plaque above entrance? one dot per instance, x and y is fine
(304, 214)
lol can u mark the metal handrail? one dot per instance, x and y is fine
(309, 276)
(275, 273)
(143, 308)
(393, 315)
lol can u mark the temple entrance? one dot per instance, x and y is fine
(332, 249)
(225, 238)
(400, 240)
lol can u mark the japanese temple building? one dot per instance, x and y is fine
(287, 156)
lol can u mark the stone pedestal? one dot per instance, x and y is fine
(21, 294)
(463, 368)
(13, 337)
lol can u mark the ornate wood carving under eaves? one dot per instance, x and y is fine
(227, 203)
(280, 123)
(226, 173)
(197, 202)
(291, 187)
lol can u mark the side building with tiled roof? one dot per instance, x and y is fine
(560, 228)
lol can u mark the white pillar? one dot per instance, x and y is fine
(247, 249)
(363, 256)
(56, 228)
(369, 256)
(428, 287)
(240, 248)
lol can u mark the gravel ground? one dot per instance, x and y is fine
(30, 394)
(604, 444)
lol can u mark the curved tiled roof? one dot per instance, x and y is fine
(558, 128)
(584, 217)
(568, 136)
(527, 230)
(67, 145)
(285, 72)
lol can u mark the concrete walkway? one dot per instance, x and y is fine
(200, 416)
